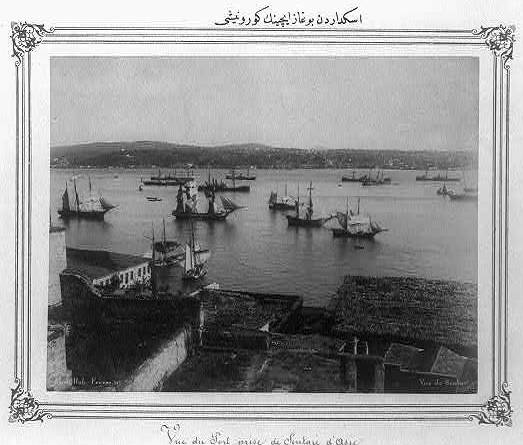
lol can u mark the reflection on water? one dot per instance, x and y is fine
(254, 249)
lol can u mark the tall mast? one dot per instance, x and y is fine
(310, 197)
(163, 231)
(347, 215)
(358, 205)
(76, 197)
(285, 188)
(298, 202)
(90, 190)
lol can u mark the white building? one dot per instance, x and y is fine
(105, 268)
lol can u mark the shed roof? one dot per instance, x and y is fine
(100, 263)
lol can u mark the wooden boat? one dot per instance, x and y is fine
(167, 252)
(307, 220)
(353, 178)
(93, 206)
(195, 264)
(281, 203)
(356, 226)
(186, 207)
(240, 176)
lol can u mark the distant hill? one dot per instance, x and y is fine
(164, 154)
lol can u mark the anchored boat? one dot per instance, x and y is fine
(306, 220)
(195, 264)
(186, 207)
(281, 203)
(356, 226)
(93, 206)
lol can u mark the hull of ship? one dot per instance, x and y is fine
(343, 233)
(281, 206)
(300, 222)
(204, 216)
(241, 178)
(240, 188)
(345, 179)
(69, 214)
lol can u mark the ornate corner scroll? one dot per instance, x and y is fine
(497, 411)
(24, 408)
(499, 39)
(25, 37)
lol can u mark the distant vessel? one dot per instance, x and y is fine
(153, 198)
(307, 220)
(240, 176)
(186, 207)
(170, 179)
(213, 185)
(353, 178)
(195, 264)
(140, 187)
(167, 252)
(369, 181)
(468, 193)
(92, 207)
(356, 226)
(281, 203)
(437, 178)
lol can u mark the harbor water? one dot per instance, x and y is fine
(254, 249)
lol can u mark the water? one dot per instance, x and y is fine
(255, 250)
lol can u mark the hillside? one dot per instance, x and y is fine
(164, 154)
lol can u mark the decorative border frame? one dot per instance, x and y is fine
(499, 40)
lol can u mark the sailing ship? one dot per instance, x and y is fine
(369, 181)
(468, 193)
(353, 178)
(437, 178)
(195, 264)
(140, 187)
(213, 185)
(281, 203)
(167, 252)
(241, 176)
(186, 207)
(92, 207)
(356, 226)
(307, 220)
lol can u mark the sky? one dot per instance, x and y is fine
(407, 103)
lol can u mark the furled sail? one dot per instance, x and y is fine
(229, 205)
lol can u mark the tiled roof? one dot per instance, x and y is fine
(100, 263)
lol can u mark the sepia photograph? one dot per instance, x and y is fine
(263, 224)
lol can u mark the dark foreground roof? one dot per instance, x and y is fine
(100, 263)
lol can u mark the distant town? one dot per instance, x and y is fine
(148, 154)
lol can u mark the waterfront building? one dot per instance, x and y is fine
(106, 268)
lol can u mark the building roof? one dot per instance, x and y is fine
(407, 357)
(449, 363)
(100, 263)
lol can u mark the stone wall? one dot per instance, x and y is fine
(57, 263)
(151, 374)
(59, 378)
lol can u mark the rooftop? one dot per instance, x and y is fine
(100, 263)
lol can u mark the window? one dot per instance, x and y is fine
(126, 277)
(140, 272)
(132, 275)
